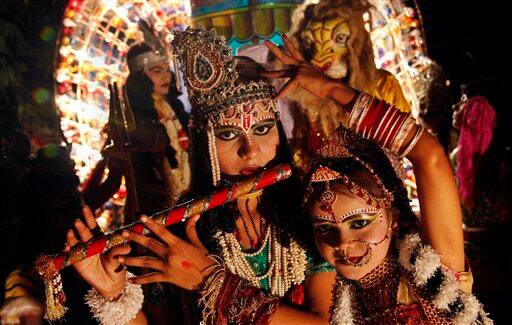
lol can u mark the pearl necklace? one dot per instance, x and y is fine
(286, 265)
(214, 159)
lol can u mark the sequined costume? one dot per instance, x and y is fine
(331, 35)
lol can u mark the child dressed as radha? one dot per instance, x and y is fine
(390, 269)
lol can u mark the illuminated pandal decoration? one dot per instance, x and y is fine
(95, 36)
(396, 31)
(245, 23)
(395, 28)
(399, 47)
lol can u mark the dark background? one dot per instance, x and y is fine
(469, 39)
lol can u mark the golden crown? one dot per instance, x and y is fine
(209, 71)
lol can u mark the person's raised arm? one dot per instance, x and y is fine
(441, 221)
(441, 215)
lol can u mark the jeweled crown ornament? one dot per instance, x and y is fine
(207, 66)
(336, 147)
(210, 74)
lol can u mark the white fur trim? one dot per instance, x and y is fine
(470, 311)
(448, 292)
(426, 265)
(485, 317)
(342, 313)
(407, 246)
(120, 311)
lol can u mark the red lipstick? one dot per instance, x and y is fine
(249, 171)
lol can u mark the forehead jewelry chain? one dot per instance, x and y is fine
(327, 200)
(339, 219)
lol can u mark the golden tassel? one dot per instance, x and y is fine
(54, 294)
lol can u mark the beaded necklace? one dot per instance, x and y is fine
(286, 265)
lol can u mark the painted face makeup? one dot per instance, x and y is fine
(247, 137)
(248, 115)
(355, 252)
(352, 235)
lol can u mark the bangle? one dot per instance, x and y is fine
(417, 135)
(119, 311)
(365, 102)
(402, 134)
(383, 123)
(356, 110)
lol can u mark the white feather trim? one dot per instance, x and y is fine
(120, 311)
(342, 313)
(448, 292)
(426, 265)
(470, 311)
(407, 246)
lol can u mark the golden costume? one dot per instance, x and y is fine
(331, 35)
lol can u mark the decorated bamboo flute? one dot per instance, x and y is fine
(48, 266)
(167, 218)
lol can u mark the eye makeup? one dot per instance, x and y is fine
(230, 131)
(227, 133)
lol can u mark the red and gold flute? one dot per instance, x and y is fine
(48, 266)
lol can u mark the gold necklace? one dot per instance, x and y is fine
(253, 242)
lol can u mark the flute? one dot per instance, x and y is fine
(48, 266)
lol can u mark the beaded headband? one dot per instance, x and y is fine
(157, 54)
(141, 61)
(341, 218)
(210, 75)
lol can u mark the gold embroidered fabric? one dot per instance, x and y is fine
(466, 278)
(388, 89)
(466, 281)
